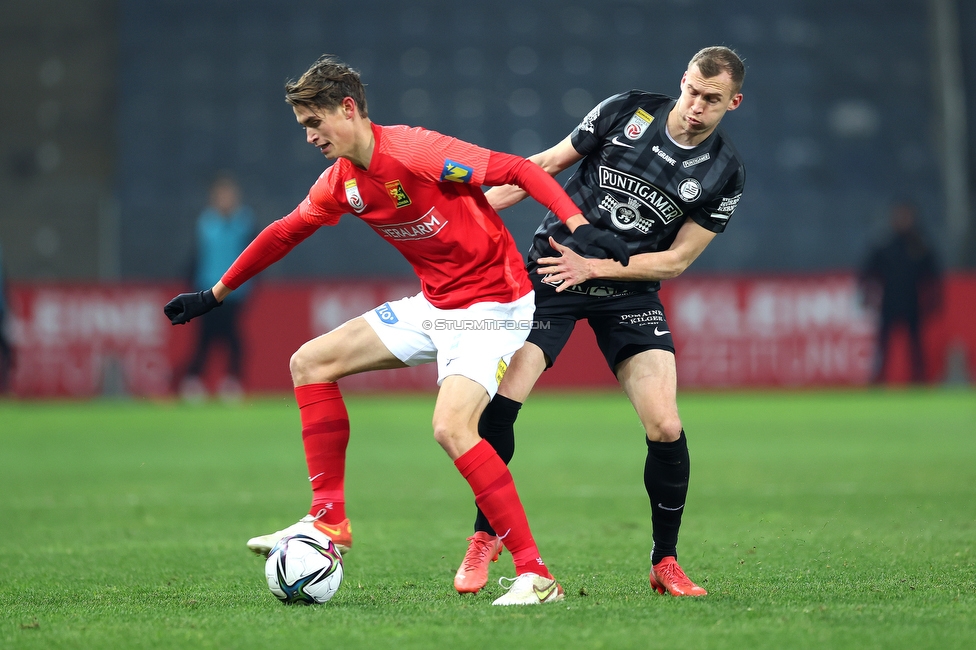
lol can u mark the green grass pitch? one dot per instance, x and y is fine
(815, 520)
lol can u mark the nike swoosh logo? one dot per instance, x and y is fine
(658, 332)
(330, 531)
(621, 144)
(664, 507)
(543, 594)
(312, 478)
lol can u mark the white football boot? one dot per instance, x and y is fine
(340, 534)
(530, 589)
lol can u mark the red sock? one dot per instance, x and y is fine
(325, 433)
(494, 492)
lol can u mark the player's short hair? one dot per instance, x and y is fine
(713, 61)
(325, 85)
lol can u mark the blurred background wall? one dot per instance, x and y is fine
(59, 98)
(116, 114)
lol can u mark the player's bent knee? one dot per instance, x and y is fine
(299, 366)
(453, 436)
(447, 437)
(442, 435)
(665, 431)
(444, 427)
(307, 369)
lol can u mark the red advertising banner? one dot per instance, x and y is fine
(748, 331)
(807, 331)
(770, 332)
(78, 341)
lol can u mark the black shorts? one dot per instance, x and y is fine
(625, 324)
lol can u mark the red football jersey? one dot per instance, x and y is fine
(422, 193)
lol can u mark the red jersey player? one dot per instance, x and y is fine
(421, 191)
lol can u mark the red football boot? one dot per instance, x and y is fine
(667, 576)
(483, 549)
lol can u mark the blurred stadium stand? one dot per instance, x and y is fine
(126, 108)
(58, 154)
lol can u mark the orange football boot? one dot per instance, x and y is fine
(667, 576)
(472, 575)
(340, 534)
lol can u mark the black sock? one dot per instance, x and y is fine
(666, 474)
(497, 426)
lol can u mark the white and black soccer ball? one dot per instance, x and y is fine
(302, 569)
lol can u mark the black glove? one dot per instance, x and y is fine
(600, 243)
(187, 306)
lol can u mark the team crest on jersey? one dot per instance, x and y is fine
(456, 172)
(398, 194)
(689, 189)
(353, 196)
(626, 215)
(638, 124)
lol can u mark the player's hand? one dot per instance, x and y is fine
(569, 269)
(600, 243)
(187, 306)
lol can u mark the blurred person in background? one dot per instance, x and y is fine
(659, 173)
(6, 350)
(421, 192)
(223, 230)
(902, 279)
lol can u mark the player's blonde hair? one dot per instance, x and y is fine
(325, 85)
(713, 61)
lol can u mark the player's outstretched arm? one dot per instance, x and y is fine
(271, 244)
(505, 168)
(552, 161)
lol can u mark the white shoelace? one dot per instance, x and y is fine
(315, 517)
(512, 581)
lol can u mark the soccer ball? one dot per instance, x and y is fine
(302, 569)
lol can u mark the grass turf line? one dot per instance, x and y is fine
(821, 519)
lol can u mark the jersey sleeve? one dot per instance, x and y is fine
(271, 244)
(715, 214)
(505, 168)
(437, 157)
(320, 207)
(588, 135)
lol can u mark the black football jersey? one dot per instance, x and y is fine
(639, 184)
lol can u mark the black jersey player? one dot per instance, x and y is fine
(660, 174)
